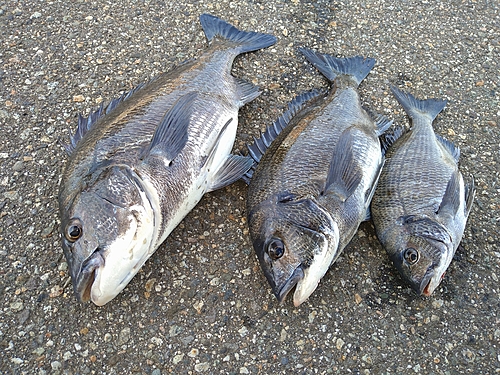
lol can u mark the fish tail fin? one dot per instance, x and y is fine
(357, 67)
(246, 40)
(415, 107)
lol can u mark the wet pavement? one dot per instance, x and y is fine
(201, 303)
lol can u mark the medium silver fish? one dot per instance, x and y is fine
(421, 205)
(313, 185)
(139, 165)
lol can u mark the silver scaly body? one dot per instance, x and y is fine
(313, 185)
(421, 204)
(138, 166)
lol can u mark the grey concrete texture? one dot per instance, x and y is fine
(201, 303)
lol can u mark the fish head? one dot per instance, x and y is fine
(295, 241)
(424, 252)
(106, 235)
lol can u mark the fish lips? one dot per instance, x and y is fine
(86, 275)
(430, 282)
(297, 275)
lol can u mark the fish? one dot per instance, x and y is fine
(421, 203)
(316, 170)
(139, 165)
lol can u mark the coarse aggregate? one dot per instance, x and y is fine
(201, 304)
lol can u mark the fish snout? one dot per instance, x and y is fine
(84, 276)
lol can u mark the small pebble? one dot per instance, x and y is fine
(78, 98)
(56, 365)
(16, 306)
(203, 366)
(12, 195)
(177, 358)
(18, 166)
(123, 336)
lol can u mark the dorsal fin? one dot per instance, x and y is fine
(454, 150)
(388, 139)
(257, 149)
(382, 122)
(86, 123)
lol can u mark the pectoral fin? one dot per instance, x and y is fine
(450, 204)
(344, 175)
(232, 170)
(171, 135)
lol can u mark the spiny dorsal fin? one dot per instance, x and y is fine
(257, 149)
(454, 150)
(86, 123)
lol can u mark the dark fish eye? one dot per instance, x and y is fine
(275, 248)
(74, 230)
(411, 255)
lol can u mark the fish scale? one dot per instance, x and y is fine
(399, 189)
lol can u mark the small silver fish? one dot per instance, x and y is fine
(313, 185)
(139, 165)
(421, 205)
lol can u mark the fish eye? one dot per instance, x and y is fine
(74, 230)
(275, 248)
(411, 255)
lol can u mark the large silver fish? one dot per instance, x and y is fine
(138, 166)
(313, 185)
(421, 205)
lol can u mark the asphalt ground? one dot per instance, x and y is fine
(201, 303)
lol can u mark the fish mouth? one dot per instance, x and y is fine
(429, 283)
(297, 275)
(87, 275)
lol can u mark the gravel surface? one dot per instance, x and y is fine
(201, 303)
